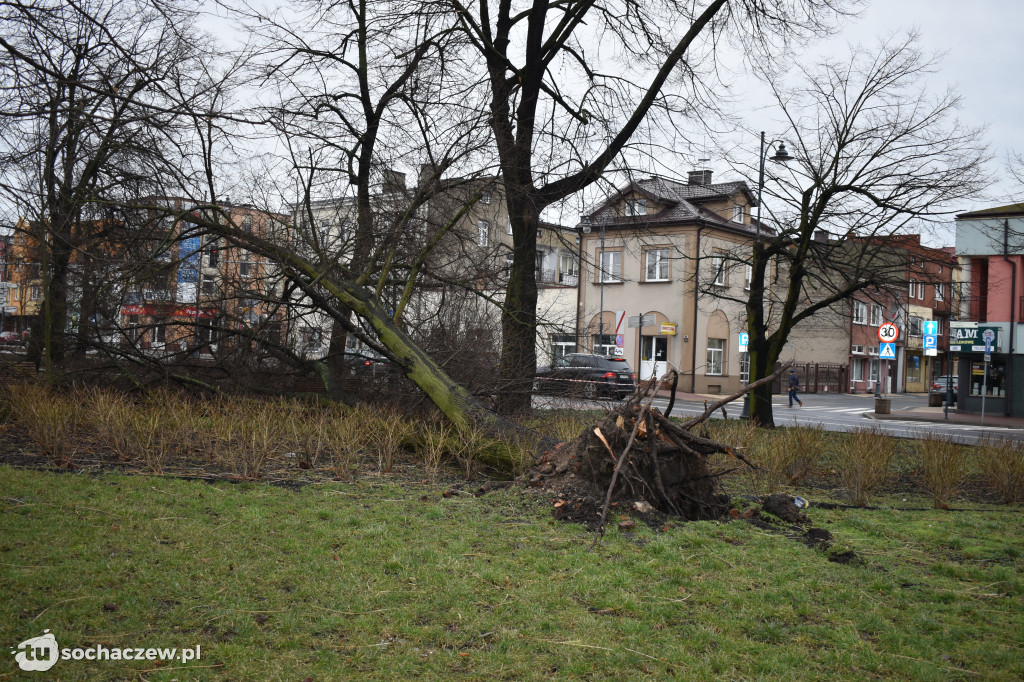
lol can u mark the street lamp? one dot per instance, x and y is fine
(781, 156)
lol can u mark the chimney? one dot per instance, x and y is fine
(700, 177)
(821, 236)
(394, 181)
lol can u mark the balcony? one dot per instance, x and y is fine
(566, 279)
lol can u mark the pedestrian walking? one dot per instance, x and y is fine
(794, 384)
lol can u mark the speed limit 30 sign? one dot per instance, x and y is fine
(888, 332)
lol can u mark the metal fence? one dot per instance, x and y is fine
(815, 378)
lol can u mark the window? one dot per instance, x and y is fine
(716, 353)
(35, 293)
(510, 227)
(562, 345)
(657, 265)
(483, 233)
(920, 291)
(744, 367)
(485, 197)
(247, 224)
(568, 268)
(738, 212)
(212, 253)
(245, 268)
(159, 335)
(636, 207)
(611, 266)
(938, 326)
(748, 277)
(915, 326)
(913, 288)
(876, 314)
(311, 339)
(718, 268)
(860, 312)
(604, 344)
(209, 285)
(940, 293)
(857, 372)
(508, 264)
(857, 349)
(873, 376)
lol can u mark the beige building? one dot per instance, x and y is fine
(664, 279)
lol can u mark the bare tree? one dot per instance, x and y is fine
(563, 114)
(875, 156)
(86, 121)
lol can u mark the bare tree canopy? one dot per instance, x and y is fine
(875, 155)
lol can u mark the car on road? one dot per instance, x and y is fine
(10, 339)
(940, 383)
(588, 376)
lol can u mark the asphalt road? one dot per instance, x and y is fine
(842, 412)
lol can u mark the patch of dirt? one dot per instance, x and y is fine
(817, 538)
(843, 557)
(784, 507)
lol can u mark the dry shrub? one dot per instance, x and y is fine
(470, 444)
(52, 421)
(564, 425)
(151, 437)
(807, 446)
(864, 458)
(259, 438)
(1001, 465)
(943, 467)
(348, 431)
(771, 453)
(435, 444)
(110, 418)
(308, 432)
(389, 432)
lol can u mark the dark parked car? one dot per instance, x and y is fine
(589, 376)
(940, 383)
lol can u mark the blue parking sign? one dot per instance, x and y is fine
(931, 341)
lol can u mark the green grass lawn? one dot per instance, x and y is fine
(386, 580)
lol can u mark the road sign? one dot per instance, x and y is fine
(888, 333)
(988, 336)
(988, 357)
(931, 341)
(931, 327)
(744, 341)
(887, 351)
(617, 351)
(619, 340)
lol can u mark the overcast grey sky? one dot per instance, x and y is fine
(983, 62)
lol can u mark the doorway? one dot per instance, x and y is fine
(653, 356)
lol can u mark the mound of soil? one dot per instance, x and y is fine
(666, 469)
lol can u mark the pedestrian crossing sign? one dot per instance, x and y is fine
(887, 351)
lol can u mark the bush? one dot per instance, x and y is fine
(1001, 464)
(864, 458)
(52, 421)
(943, 466)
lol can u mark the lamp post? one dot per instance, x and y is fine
(781, 156)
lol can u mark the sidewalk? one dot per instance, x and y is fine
(936, 414)
(920, 413)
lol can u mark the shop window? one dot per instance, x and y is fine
(994, 384)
